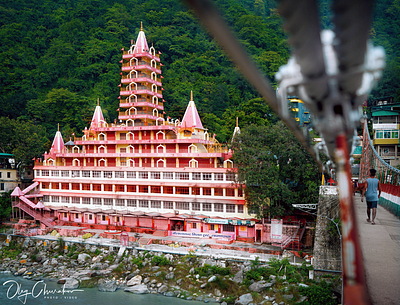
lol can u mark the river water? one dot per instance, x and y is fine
(17, 290)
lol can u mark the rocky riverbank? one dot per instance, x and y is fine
(186, 277)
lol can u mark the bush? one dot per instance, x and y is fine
(33, 258)
(220, 270)
(321, 294)
(137, 261)
(160, 260)
(97, 252)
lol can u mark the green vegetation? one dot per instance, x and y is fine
(208, 270)
(318, 294)
(137, 261)
(276, 169)
(5, 205)
(160, 260)
(61, 245)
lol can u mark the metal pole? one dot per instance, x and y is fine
(355, 289)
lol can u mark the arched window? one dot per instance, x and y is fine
(129, 122)
(132, 111)
(130, 98)
(51, 162)
(161, 163)
(101, 137)
(75, 149)
(76, 162)
(192, 149)
(101, 149)
(160, 135)
(131, 163)
(160, 149)
(228, 164)
(102, 162)
(130, 149)
(194, 163)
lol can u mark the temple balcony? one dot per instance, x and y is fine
(141, 104)
(127, 67)
(124, 92)
(129, 55)
(80, 141)
(215, 154)
(128, 80)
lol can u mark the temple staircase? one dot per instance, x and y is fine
(145, 241)
(32, 212)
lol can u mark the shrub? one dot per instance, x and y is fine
(321, 294)
(220, 270)
(137, 261)
(97, 252)
(160, 260)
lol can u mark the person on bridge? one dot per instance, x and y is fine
(371, 195)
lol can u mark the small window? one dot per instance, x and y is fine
(103, 217)
(219, 177)
(196, 176)
(119, 174)
(86, 174)
(85, 200)
(108, 201)
(131, 203)
(168, 205)
(64, 173)
(155, 175)
(240, 209)
(195, 206)
(230, 192)
(218, 192)
(143, 189)
(207, 191)
(182, 205)
(168, 175)
(76, 173)
(194, 225)
(107, 174)
(212, 227)
(8, 174)
(230, 208)
(182, 190)
(131, 175)
(90, 216)
(143, 203)
(96, 174)
(207, 207)
(55, 198)
(182, 176)
(218, 207)
(64, 199)
(122, 136)
(230, 177)
(76, 200)
(143, 175)
(207, 176)
(120, 202)
(97, 201)
(45, 172)
(155, 204)
(53, 173)
(228, 228)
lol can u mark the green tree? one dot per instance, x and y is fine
(276, 170)
(5, 206)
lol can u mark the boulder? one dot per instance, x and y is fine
(110, 286)
(212, 279)
(155, 268)
(71, 284)
(53, 261)
(169, 276)
(136, 280)
(21, 271)
(163, 289)
(179, 282)
(82, 257)
(158, 273)
(238, 278)
(259, 286)
(138, 289)
(97, 259)
(169, 294)
(244, 299)
(217, 293)
(93, 249)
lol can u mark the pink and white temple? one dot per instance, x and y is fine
(146, 173)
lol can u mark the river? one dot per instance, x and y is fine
(17, 290)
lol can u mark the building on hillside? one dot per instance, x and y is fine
(146, 173)
(8, 173)
(301, 113)
(385, 114)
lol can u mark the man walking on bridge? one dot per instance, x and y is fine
(371, 195)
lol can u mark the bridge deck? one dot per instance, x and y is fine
(381, 251)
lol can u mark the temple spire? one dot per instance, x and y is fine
(191, 95)
(191, 118)
(141, 25)
(141, 42)
(98, 101)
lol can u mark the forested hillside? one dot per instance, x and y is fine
(57, 57)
